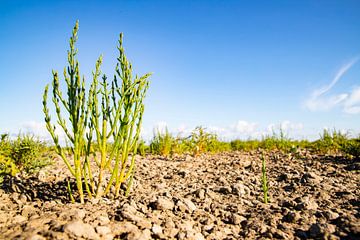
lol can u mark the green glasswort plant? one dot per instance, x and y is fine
(110, 111)
(265, 187)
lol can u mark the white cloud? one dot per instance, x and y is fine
(217, 130)
(352, 102)
(337, 77)
(287, 125)
(325, 104)
(293, 129)
(244, 130)
(36, 128)
(39, 129)
(245, 127)
(349, 102)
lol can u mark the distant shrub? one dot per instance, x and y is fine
(142, 148)
(25, 154)
(161, 143)
(330, 142)
(277, 141)
(202, 141)
(352, 147)
(181, 145)
(218, 146)
(244, 145)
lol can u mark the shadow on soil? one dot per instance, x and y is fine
(348, 164)
(34, 189)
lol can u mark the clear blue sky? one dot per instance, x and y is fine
(236, 67)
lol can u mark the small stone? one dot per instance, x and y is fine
(283, 177)
(278, 234)
(37, 222)
(74, 214)
(291, 217)
(103, 220)
(225, 190)
(289, 204)
(130, 213)
(19, 219)
(181, 206)
(236, 219)
(200, 193)
(145, 234)
(193, 235)
(163, 204)
(157, 229)
(127, 210)
(330, 228)
(240, 189)
(36, 237)
(319, 230)
(315, 230)
(94, 201)
(223, 180)
(23, 198)
(310, 178)
(183, 173)
(135, 235)
(80, 229)
(170, 230)
(246, 163)
(331, 215)
(307, 204)
(78, 214)
(107, 237)
(181, 236)
(55, 224)
(189, 204)
(208, 228)
(198, 236)
(123, 227)
(28, 211)
(103, 230)
(41, 176)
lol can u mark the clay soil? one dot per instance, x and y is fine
(207, 197)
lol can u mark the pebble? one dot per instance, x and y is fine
(291, 217)
(103, 230)
(224, 190)
(80, 229)
(189, 204)
(164, 204)
(157, 229)
(200, 193)
(240, 189)
(36, 237)
(307, 204)
(103, 220)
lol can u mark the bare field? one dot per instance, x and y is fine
(208, 197)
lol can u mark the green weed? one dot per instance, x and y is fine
(265, 186)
